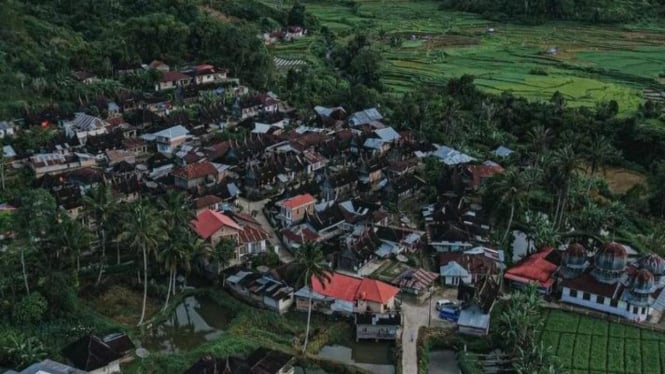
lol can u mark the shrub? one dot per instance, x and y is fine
(30, 309)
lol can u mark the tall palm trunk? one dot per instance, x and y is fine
(25, 273)
(168, 292)
(145, 283)
(309, 318)
(510, 222)
(102, 260)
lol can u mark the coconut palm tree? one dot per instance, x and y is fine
(72, 239)
(539, 138)
(565, 163)
(510, 188)
(98, 204)
(599, 152)
(176, 255)
(144, 229)
(176, 209)
(310, 263)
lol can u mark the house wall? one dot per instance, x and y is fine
(302, 304)
(622, 308)
(224, 232)
(382, 332)
(282, 306)
(296, 214)
(362, 306)
(454, 281)
(112, 367)
(470, 330)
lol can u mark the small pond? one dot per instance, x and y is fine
(375, 357)
(198, 319)
(443, 362)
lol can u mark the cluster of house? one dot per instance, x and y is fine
(613, 279)
(286, 34)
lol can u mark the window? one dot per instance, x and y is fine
(634, 310)
(600, 300)
(586, 296)
(614, 303)
(644, 310)
(572, 293)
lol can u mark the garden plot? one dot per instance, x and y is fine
(591, 345)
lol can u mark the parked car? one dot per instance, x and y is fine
(449, 312)
(444, 302)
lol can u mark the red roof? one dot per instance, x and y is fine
(534, 269)
(196, 170)
(208, 222)
(172, 76)
(344, 287)
(298, 201)
(478, 172)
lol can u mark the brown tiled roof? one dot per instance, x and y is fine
(206, 201)
(252, 234)
(197, 170)
(475, 264)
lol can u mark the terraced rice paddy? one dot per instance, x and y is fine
(591, 345)
(591, 63)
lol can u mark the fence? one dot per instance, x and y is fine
(605, 316)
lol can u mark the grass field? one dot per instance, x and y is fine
(591, 345)
(592, 64)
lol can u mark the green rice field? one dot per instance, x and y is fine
(591, 63)
(590, 345)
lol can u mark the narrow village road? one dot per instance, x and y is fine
(248, 207)
(415, 316)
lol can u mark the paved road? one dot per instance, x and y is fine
(248, 207)
(414, 316)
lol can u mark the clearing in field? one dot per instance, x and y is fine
(588, 64)
(590, 345)
(621, 180)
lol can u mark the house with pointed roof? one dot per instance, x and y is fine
(195, 175)
(213, 226)
(93, 355)
(294, 209)
(538, 269)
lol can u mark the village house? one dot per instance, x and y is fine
(470, 267)
(364, 117)
(476, 175)
(169, 139)
(608, 283)
(261, 290)
(56, 163)
(203, 74)
(7, 129)
(417, 282)
(48, 367)
(538, 269)
(213, 226)
(339, 185)
(172, 79)
(99, 355)
(346, 294)
(211, 202)
(84, 125)
(294, 209)
(261, 361)
(158, 65)
(195, 175)
(477, 303)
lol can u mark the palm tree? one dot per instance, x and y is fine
(176, 254)
(222, 253)
(539, 139)
(310, 263)
(510, 188)
(98, 204)
(144, 229)
(599, 152)
(176, 209)
(72, 239)
(564, 162)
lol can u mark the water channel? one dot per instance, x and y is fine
(196, 320)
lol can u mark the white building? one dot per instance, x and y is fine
(607, 283)
(84, 125)
(169, 139)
